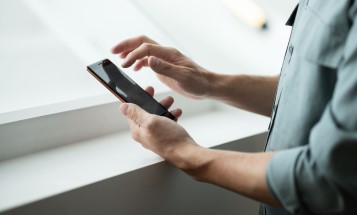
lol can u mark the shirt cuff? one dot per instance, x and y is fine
(281, 179)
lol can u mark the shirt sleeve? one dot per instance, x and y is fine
(321, 177)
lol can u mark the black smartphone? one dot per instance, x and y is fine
(125, 89)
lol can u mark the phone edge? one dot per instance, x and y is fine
(105, 85)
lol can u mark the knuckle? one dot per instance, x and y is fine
(145, 45)
(175, 52)
(130, 55)
(151, 123)
(142, 37)
(133, 114)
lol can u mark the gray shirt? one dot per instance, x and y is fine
(314, 120)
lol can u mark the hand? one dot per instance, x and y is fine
(167, 102)
(156, 133)
(173, 68)
(220, 167)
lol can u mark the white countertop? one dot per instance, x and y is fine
(36, 176)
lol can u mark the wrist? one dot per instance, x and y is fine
(214, 81)
(220, 86)
(189, 157)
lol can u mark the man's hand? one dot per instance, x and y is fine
(252, 93)
(159, 134)
(173, 68)
(240, 172)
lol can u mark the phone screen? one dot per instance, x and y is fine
(125, 88)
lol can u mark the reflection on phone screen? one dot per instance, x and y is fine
(126, 88)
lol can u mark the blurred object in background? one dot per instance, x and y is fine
(249, 12)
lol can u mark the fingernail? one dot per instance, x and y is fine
(124, 62)
(157, 61)
(124, 108)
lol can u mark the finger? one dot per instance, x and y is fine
(141, 63)
(167, 102)
(177, 113)
(123, 55)
(150, 90)
(131, 44)
(164, 68)
(147, 49)
(135, 113)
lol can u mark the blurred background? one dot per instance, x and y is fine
(45, 45)
(58, 124)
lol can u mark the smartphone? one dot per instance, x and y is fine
(125, 89)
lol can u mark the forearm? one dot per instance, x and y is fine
(252, 93)
(244, 173)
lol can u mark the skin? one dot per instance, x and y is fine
(244, 173)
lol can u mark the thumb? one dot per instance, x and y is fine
(134, 113)
(164, 68)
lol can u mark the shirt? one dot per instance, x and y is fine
(313, 128)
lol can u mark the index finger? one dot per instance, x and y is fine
(131, 44)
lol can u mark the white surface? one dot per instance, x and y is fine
(74, 122)
(45, 64)
(213, 36)
(47, 173)
(55, 107)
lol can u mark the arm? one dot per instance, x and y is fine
(181, 74)
(243, 173)
(248, 92)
